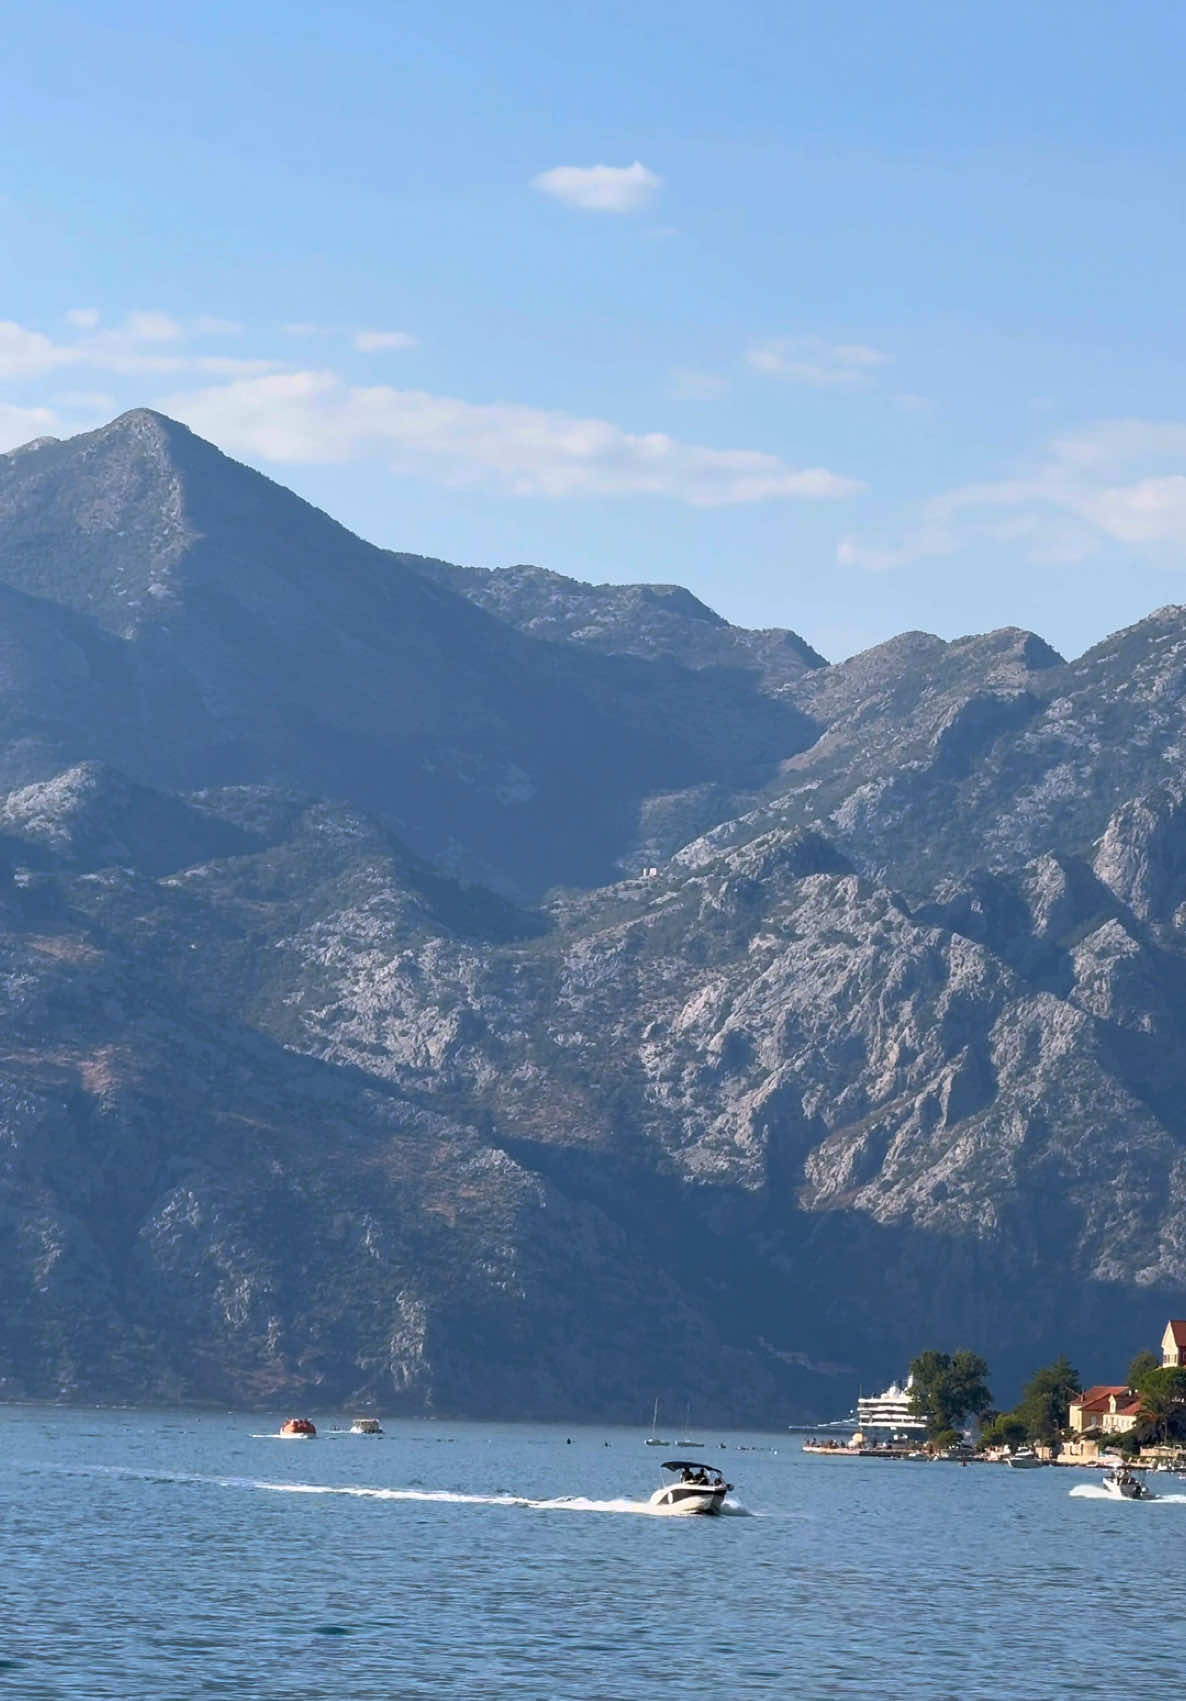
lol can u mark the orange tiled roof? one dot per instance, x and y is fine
(1090, 1398)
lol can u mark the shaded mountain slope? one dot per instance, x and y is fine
(199, 625)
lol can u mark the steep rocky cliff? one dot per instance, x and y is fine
(892, 1057)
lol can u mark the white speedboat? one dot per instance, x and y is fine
(366, 1426)
(1025, 1459)
(1124, 1484)
(695, 1488)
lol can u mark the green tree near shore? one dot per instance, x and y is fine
(1006, 1430)
(1163, 1404)
(1043, 1411)
(1045, 1404)
(947, 1388)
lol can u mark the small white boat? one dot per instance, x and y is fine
(366, 1426)
(1124, 1484)
(696, 1488)
(1025, 1459)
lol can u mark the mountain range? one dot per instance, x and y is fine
(478, 992)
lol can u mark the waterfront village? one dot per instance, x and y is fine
(943, 1410)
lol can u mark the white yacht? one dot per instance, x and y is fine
(888, 1415)
(696, 1488)
(366, 1426)
(1025, 1459)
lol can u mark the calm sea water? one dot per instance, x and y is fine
(166, 1556)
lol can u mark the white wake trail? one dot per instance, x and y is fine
(441, 1496)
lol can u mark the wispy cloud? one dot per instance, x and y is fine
(143, 343)
(87, 401)
(150, 327)
(688, 385)
(600, 188)
(1119, 481)
(28, 354)
(265, 409)
(21, 425)
(523, 451)
(372, 342)
(84, 318)
(811, 360)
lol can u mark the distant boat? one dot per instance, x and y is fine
(299, 1429)
(366, 1426)
(653, 1440)
(1025, 1459)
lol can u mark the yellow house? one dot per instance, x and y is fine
(1173, 1344)
(1107, 1407)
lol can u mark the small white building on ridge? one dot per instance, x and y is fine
(1173, 1344)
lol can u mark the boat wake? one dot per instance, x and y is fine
(442, 1496)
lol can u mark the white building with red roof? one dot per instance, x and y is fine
(1173, 1344)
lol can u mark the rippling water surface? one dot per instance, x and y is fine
(166, 1556)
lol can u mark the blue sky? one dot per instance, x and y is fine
(872, 320)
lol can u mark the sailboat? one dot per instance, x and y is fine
(687, 1426)
(653, 1439)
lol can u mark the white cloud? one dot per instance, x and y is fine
(210, 325)
(525, 451)
(688, 385)
(1116, 482)
(151, 327)
(85, 318)
(371, 342)
(145, 343)
(28, 354)
(228, 365)
(87, 401)
(600, 188)
(811, 360)
(850, 552)
(303, 328)
(21, 425)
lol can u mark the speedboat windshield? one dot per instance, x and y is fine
(690, 1468)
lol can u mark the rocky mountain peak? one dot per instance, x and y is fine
(655, 622)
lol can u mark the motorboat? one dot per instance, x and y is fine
(1122, 1483)
(366, 1426)
(695, 1488)
(301, 1429)
(1025, 1459)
